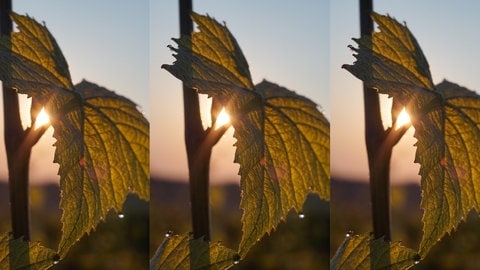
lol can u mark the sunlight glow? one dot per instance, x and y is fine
(222, 119)
(402, 119)
(42, 119)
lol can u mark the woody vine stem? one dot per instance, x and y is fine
(18, 144)
(379, 142)
(199, 143)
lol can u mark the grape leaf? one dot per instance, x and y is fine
(363, 252)
(19, 254)
(179, 252)
(446, 119)
(282, 139)
(102, 142)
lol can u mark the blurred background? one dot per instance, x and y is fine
(295, 244)
(117, 243)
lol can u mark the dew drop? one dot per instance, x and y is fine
(121, 215)
(236, 259)
(349, 234)
(301, 215)
(417, 259)
(168, 234)
(56, 259)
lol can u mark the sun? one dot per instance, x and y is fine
(403, 119)
(222, 119)
(42, 119)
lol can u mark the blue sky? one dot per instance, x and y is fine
(105, 42)
(285, 42)
(447, 36)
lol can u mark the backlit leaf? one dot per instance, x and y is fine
(103, 155)
(18, 254)
(363, 252)
(181, 253)
(102, 142)
(446, 118)
(283, 140)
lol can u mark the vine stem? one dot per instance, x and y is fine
(18, 145)
(199, 143)
(379, 142)
(17, 158)
(378, 156)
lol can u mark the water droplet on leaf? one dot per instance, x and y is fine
(168, 234)
(301, 215)
(236, 259)
(56, 259)
(417, 259)
(121, 215)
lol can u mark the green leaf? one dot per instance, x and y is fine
(103, 155)
(178, 252)
(283, 144)
(19, 254)
(32, 59)
(446, 119)
(363, 252)
(102, 139)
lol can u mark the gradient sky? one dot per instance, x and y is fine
(299, 45)
(444, 32)
(105, 42)
(285, 42)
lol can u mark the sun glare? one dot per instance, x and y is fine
(402, 119)
(42, 119)
(222, 119)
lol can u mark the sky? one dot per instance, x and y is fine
(445, 35)
(300, 45)
(105, 42)
(285, 42)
